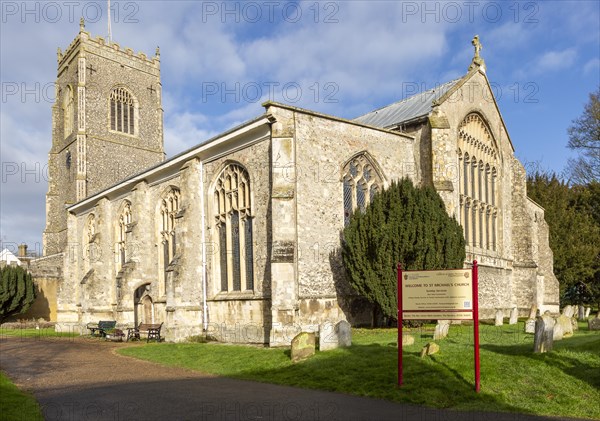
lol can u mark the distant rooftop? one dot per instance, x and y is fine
(418, 105)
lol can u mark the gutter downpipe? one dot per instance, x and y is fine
(203, 219)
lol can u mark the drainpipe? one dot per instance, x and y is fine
(203, 221)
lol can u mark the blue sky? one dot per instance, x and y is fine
(220, 60)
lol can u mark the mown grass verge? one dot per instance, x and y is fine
(15, 404)
(564, 382)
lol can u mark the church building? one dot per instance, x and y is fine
(239, 236)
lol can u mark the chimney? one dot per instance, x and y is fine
(22, 250)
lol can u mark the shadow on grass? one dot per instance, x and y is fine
(561, 356)
(371, 371)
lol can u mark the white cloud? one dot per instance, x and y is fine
(556, 60)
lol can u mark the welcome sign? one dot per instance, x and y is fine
(441, 294)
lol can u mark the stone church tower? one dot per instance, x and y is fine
(107, 124)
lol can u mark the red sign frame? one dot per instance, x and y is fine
(475, 312)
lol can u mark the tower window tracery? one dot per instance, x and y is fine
(123, 111)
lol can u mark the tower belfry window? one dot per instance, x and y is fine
(123, 111)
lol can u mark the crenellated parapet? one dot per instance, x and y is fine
(101, 46)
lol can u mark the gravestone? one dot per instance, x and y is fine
(575, 311)
(574, 324)
(581, 313)
(594, 323)
(429, 349)
(441, 330)
(344, 333)
(557, 332)
(533, 312)
(514, 316)
(566, 325)
(530, 326)
(587, 312)
(303, 346)
(328, 337)
(499, 318)
(568, 311)
(408, 340)
(544, 334)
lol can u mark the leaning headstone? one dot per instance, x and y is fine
(557, 332)
(581, 313)
(408, 340)
(575, 311)
(303, 346)
(441, 330)
(429, 349)
(530, 326)
(594, 323)
(544, 334)
(344, 333)
(328, 337)
(568, 311)
(566, 325)
(587, 312)
(533, 312)
(499, 318)
(514, 316)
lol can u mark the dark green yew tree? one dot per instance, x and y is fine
(17, 291)
(404, 224)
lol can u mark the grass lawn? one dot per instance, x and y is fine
(17, 405)
(564, 382)
(35, 333)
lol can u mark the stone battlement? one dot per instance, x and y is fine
(85, 37)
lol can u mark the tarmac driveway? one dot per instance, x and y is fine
(83, 379)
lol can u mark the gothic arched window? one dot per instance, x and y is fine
(123, 226)
(360, 183)
(123, 111)
(68, 111)
(478, 158)
(233, 223)
(169, 208)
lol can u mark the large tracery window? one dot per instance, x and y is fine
(169, 209)
(123, 111)
(68, 111)
(123, 226)
(478, 162)
(233, 222)
(360, 183)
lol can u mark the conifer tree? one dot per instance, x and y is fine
(403, 224)
(17, 291)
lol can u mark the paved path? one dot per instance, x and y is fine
(79, 379)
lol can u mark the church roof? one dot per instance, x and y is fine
(418, 105)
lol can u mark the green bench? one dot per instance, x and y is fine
(100, 328)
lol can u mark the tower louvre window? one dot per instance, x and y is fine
(123, 111)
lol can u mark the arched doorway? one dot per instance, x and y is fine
(143, 305)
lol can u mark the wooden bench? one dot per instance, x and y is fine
(101, 327)
(151, 330)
